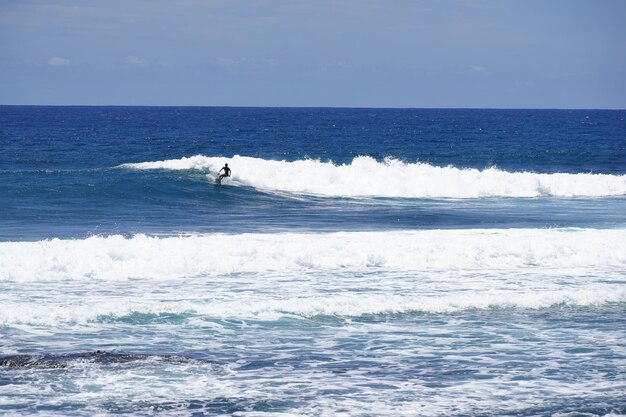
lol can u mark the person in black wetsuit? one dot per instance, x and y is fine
(226, 172)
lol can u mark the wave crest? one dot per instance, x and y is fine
(344, 305)
(119, 258)
(366, 177)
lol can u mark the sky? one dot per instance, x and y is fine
(318, 53)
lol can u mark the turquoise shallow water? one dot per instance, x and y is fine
(359, 262)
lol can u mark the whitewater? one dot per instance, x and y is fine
(367, 177)
(344, 274)
(140, 256)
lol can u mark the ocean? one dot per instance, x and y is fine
(358, 262)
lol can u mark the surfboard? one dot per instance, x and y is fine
(218, 180)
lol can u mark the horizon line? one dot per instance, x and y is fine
(310, 107)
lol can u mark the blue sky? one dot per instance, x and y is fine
(355, 53)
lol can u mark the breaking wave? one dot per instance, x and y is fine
(366, 177)
(120, 258)
(145, 311)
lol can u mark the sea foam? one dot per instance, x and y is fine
(141, 256)
(125, 307)
(366, 177)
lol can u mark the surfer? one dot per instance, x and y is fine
(226, 172)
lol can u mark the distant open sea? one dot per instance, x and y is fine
(359, 262)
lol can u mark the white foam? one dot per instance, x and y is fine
(365, 176)
(263, 307)
(120, 258)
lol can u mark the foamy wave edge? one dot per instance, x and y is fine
(161, 258)
(343, 305)
(366, 177)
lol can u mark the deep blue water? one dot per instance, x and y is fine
(40, 137)
(59, 177)
(358, 262)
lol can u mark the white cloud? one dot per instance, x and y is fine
(480, 69)
(229, 63)
(338, 65)
(272, 62)
(135, 61)
(57, 61)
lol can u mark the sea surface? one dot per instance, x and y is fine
(358, 262)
